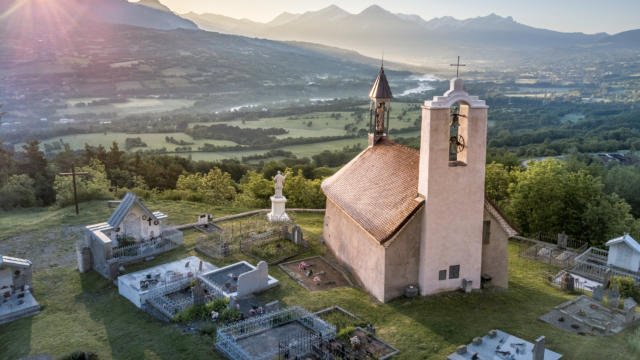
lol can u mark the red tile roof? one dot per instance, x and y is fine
(378, 188)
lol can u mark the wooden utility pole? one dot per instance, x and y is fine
(73, 174)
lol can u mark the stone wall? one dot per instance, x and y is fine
(495, 254)
(360, 253)
(403, 258)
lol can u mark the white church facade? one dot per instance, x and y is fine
(396, 216)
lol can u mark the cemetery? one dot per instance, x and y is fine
(255, 236)
(420, 290)
(599, 265)
(165, 290)
(591, 316)
(16, 300)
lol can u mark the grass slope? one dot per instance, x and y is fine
(84, 311)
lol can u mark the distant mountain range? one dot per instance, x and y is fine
(411, 38)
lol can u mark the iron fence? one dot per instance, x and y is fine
(227, 337)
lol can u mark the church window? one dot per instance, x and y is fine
(486, 232)
(442, 275)
(454, 271)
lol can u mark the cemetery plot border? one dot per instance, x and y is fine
(368, 346)
(315, 273)
(273, 247)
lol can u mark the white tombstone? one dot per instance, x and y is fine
(278, 212)
(254, 280)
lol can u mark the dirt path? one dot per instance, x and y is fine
(50, 248)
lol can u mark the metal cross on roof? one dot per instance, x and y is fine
(458, 66)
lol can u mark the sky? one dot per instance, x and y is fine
(588, 16)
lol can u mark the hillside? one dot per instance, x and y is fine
(148, 13)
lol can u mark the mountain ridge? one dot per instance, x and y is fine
(409, 37)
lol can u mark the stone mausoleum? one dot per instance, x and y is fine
(132, 233)
(16, 300)
(396, 216)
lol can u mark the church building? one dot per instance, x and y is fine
(396, 216)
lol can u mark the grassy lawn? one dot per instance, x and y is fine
(84, 311)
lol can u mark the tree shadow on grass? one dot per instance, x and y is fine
(132, 333)
(15, 338)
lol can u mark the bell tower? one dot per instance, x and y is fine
(379, 108)
(451, 180)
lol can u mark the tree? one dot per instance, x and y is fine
(255, 191)
(304, 193)
(35, 166)
(93, 186)
(548, 197)
(18, 192)
(497, 181)
(216, 186)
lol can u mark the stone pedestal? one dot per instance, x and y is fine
(278, 212)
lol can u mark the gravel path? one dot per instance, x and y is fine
(46, 249)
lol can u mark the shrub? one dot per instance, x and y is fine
(202, 312)
(345, 333)
(230, 315)
(627, 287)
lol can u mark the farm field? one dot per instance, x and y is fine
(318, 124)
(131, 107)
(153, 141)
(85, 311)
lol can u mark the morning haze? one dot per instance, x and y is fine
(260, 180)
(588, 16)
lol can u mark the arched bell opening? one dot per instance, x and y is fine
(458, 133)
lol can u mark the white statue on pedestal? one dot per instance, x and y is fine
(279, 183)
(278, 200)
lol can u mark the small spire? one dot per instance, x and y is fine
(381, 88)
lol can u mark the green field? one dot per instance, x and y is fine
(318, 124)
(153, 141)
(84, 311)
(131, 107)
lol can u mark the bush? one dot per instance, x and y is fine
(345, 333)
(230, 315)
(202, 312)
(627, 287)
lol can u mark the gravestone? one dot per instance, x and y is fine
(539, 348)
(254, 280)
(296, 234)
(563, 239)
(629, 310)
(614, 297)
(197, 293)
(598, 293)
(568, 282)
